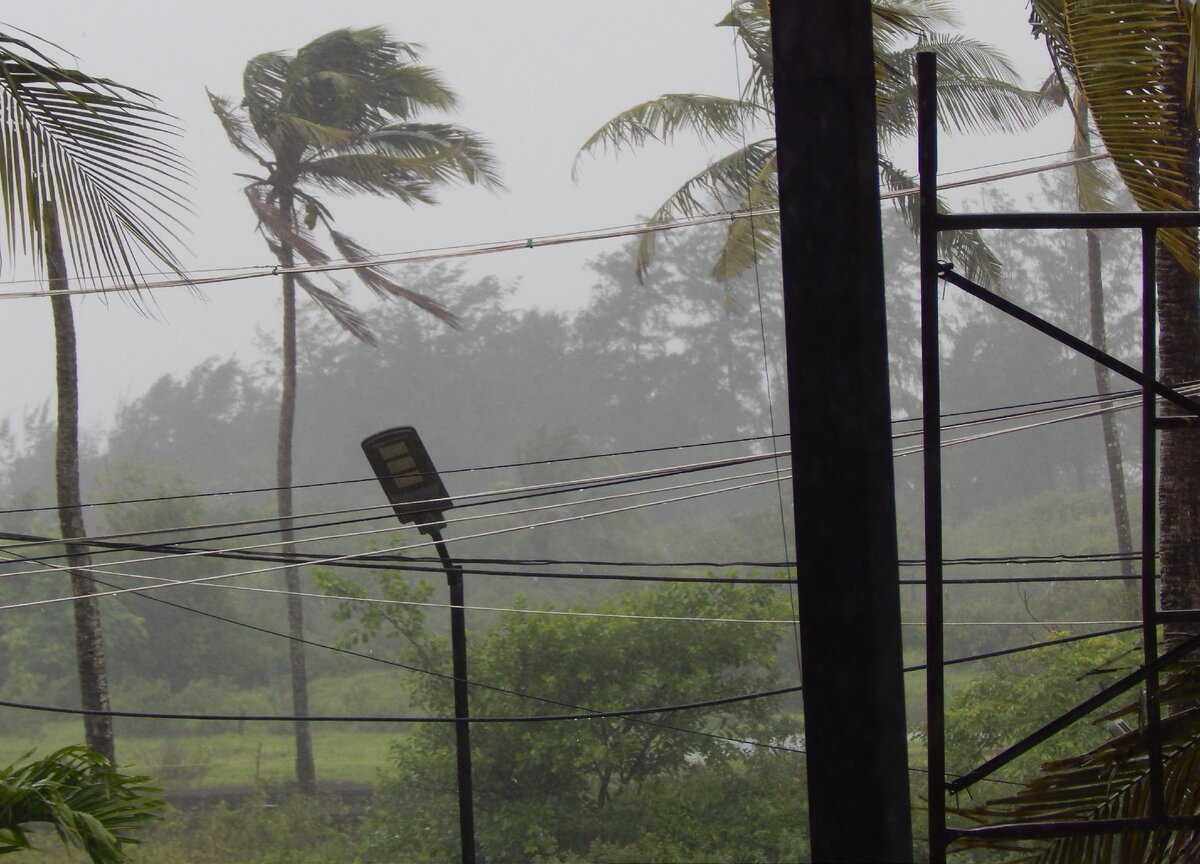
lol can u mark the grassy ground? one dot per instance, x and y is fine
(251, 757)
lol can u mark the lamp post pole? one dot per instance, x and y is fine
(419, 497)
(462, 711)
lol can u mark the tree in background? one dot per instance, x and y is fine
(977, 87)
(706, 784)
(338, 116)
(87, 176)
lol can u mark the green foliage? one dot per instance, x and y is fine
(978, 88)
(549, 791)
(1112, 781)
(1021, 692)
(90, 805)
(300, 830)
(95, 152)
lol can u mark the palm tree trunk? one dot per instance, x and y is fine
(306, 776)
(90, 658)
(1112, 440)
(1179, 450)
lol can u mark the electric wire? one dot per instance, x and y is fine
(402, 548)
(1015, 413)
(429, 672)
(534, 490)
(448, 253)
(522, 511)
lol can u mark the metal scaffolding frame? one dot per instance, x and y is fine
(934, 271)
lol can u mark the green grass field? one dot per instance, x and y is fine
(255, 756)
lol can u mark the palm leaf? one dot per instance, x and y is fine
(1112, 781)
(1129, 59)
(710, 117)
(377, 279)
(725, 180)
(99, 153)
(965, 249)
(349, 318)
(90, 805)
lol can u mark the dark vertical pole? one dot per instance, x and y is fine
(840, 426)
(462, 711)
(931, 411)
(1149, 512)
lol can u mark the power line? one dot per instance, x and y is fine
(429, 672)
(522, 511)
(464, 251)
(623, 713)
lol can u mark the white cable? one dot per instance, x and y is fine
(443, 254)
(200, 553)
(333, 559)
(559, 485)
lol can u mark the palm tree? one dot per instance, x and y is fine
(1094, 192)
(86, 175)
(338, 116)
(90, 805)
(978, 91)
(1135, 63)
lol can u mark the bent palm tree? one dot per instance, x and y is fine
(85, 176)
(338, 116)
(978, 91)
(90, 805)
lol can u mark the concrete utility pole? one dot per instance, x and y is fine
(841, 432)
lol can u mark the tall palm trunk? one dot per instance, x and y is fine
(89, 638)
(1179, 466)
(1112, 438)
(306, 777)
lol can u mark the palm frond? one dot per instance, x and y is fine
(724, 181)
(378, 280)
(237, 129)
(710, 117)
(751, 20)
(374, 173)
(442, 151)
(749, 238)
(349, 318)
(965, 249)
(1129, 59)
(281, 229)
(100, 153)
(978, 90)
(1112, 781)
(91, 805)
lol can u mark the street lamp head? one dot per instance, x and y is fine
(408, 478)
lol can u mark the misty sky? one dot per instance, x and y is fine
(535, 77)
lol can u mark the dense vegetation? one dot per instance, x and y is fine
(675, 361)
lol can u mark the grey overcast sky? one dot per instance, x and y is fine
(535, 77)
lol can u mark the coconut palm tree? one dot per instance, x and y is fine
(86, 177)
(90, 805)
(978, 90)
(1135, 63)
(338, 116)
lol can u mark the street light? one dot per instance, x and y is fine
(417, 495)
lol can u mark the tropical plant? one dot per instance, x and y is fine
(978, 90)
(1094, 192)
(338, 116)
(1135, 63)
(90, 805)
(86, 175)
(1113, 781)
